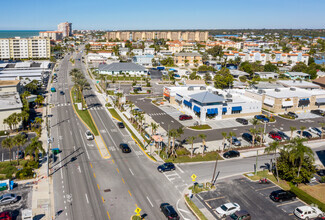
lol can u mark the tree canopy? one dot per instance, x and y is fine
(223, 79)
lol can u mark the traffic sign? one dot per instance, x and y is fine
(137, 210)
(193, 177)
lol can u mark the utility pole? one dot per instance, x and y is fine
(214, 171)
(264, 133)
(256, 162)
(168, 142)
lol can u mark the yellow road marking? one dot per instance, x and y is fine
(291, 214)
(208, 205)
(109, 217)
(287, 203)
(94, 175)
(117, 170)
(98, 186)
(91, 165)
(113, 161)
(129, 192)
(103, 199)
(123, 180)
(266, 188)
(221, 197)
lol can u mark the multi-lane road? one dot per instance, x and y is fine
(87, 186)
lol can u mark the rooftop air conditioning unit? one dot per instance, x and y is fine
(190, 88)
(202, 88)
(228, 95)
(215, 92)
(277, 90)
(293, 89)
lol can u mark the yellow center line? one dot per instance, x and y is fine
(117, 170)
(123, 180)
(98, 186)
(129, 192)
(109, 217)
(103, 199)
(91, 165)
(113, 161)
(94, 175)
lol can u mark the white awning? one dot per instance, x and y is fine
(287, 103)
(269, 101)
(320, 101)
(178, 98)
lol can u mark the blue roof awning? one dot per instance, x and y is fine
(236, 108)
(224, 109)
(187, 103)
(196, 109)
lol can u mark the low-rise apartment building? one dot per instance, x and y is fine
(188, 59)
(53, 35)
(144, 60)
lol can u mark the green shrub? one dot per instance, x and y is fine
(243, 78)
(31, 164)
(182, 152)
(25, 173)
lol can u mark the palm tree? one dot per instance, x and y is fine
(82, 84)
(203, 137)
(154, 127)
(302, 128)
(292, 129)
(260, 131)
(24, 117)
(253, 131)
(173, 134)
(224, 136)
(254, 122)
(19, 141)
(39, 100)
(8, 121)
(231, 134)
(9, 144)
(131, 106)
(35, 147)
(190, 140)
(273, 147)
(322, 124)
(298, 151)
(38, 121)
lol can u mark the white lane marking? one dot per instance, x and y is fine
(87, 198)
(131, 172)
(74, 148)
(182, 210)
(150, 202)
(63, 186)
(79, 169)
(134, 151)
(84, 145)
(61, 166)
(178, 209)
(66, 214)
(179, 169)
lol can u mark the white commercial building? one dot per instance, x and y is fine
(144, 60)
(132, 69)
(9, 103)
(209, 103)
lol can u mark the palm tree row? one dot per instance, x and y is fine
(80, 82)
(19, 140)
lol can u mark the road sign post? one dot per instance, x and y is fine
(137, 210)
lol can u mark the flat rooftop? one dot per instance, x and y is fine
(8, 83)
(292, 92)
(10, 100)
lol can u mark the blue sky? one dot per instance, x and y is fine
(166, 14)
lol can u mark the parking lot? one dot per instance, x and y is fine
(24, 194)
(251, 196)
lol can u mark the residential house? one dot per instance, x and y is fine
(144, 60)
(267, 75)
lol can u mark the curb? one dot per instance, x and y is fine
(190, 208)
(90, 129)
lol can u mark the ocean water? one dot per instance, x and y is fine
(18, 33)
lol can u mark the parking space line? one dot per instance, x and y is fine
(287, 203)
(266, 188)
(291, 214)
(208, 205)
(221, 197)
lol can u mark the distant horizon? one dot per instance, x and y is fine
(175, 29)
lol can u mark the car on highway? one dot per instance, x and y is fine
(6, 215)
(262, 118)
(275, 136)
(282, 195)
(61, 93)
(89, 135)
(185, 117)
(125, 148)
(242, 121)
(235, 141)
(166, 167)
(169, 211)
(227, 209)
(8, 198)
(231, 153)
(239, 215)
(283, 136)
(248, 137)
(305, 134)
(315, 130)
(318, 112)
(292, 114)
(120, 125)
(308, 212)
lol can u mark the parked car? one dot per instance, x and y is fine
(235, 141)
(231, 153)
(308, 212)
(321, 172)
(185, 117)
(275, 136)
(89, 135)
(318, 112)
(262, 118)
(8, 199)
(169, 211)
(20, 155)
(315, 131)
(61, 92)
(242, 121)
(248, 137)
(125, 148)
(6, 215)
(166, 167)
(292, 114)
(120, 125)
(282, 195)
(283, 136)
(239, 215)
(227, 209)
(305, 134)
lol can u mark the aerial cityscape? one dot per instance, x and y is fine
(184, 110)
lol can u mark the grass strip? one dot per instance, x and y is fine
(200, 127)
(209, 156)
(195, 209)
(265, 174)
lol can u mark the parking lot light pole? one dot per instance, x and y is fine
(256, 162)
